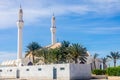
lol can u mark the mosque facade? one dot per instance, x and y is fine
(19, 68)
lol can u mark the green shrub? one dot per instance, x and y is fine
(99, 72)
(113, 71)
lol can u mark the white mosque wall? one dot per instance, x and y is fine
(80, 71)
(63, 72)
(48, 72)
(8, 72)
(36, 72)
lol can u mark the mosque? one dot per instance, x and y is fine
(24, 61)
(19, 69)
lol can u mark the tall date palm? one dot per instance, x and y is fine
(104, 61)
(31, 48)
(94, 59)
(78, 52)
(114, 56)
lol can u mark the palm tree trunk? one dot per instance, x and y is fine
(33, 59)
(91, 66)
(76, 60)
(94, 65)
(114, 62)
(104, 66)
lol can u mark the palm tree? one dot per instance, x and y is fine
(78, 52)
(57, 55)
(114, 56)
(31, 49)
(94, 59)
(65, 44)
(63, 51)
(104, 61)
(43, 52)
(54, 55)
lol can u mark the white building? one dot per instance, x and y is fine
(48, 72)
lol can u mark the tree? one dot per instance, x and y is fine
(54, 55)
(63, 51)
(57, 55)
(31, 49)
(66, 53)
(114, 56)
(78, 52)
(104, 61)
(65, 44)
(43, 52)
(49, 55)
(94, 59)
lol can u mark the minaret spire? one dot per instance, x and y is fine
(20, 13)
(53, 21)
(20, 24)
(53, 30)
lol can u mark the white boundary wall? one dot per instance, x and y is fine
(80, 71)
(46, 72)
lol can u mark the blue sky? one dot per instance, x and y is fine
(92, 23)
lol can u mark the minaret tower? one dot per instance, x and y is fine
(53, 30)
(20, 24)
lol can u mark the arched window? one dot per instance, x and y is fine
(30, 63)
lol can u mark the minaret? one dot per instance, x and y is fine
(53, 30)
(20, 24)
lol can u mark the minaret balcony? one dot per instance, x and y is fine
(20, 21)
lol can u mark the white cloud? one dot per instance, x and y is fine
(103, 30)
(94, 30)
(44, 9)
(104, 7)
